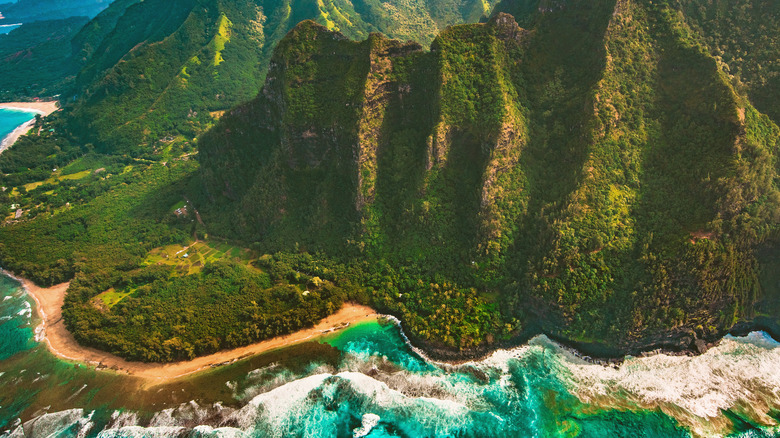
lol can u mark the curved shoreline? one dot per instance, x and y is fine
(62, 344)
(42, 108)
(669, 344)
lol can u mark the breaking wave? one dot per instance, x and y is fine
(380, 387)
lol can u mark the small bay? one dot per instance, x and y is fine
(10, 119)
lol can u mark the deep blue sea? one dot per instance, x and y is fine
(11, 119)
(367, 381)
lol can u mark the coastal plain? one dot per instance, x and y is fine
(60, 341)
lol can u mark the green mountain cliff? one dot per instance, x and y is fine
(35, 58)
(597, 171)
(605, 172)
(745, 37)
(42, 58)
(169, 68)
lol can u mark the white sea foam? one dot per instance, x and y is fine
(263, 370)
(142, 432)
(120, 419)
(369, 422)
(447, 400)
(40, 333)
(52, 424)
(221, 432)
(737, 370)
(186, 413)
(269, 379)
(285, 399)
(282, 407)
(26, 311)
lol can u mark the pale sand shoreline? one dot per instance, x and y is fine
(61, 342)
(42, 108)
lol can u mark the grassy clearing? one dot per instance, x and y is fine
(54, 179)
(86, 163)
(191, 259)
(112, 296)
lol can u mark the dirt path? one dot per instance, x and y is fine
(60, 341)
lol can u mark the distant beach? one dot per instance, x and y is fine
(61, 342)
(7, 28)
(42, 108)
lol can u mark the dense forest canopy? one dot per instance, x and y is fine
(170, 68)
(602, 171)
(42, 58)
(598, 172)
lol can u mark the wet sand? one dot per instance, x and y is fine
(61, 342)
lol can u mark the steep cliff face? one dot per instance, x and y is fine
(170, 67)
(597, 170)
(745, 36)
(35, 58)
(42, 58)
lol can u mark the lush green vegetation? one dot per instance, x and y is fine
(745, 36)
(117, 223)
(36, 58)
(112, 222)
(43, 57)
(164, 319)
(598, 176)
(193, 59)
(191, 259)
(142, 288)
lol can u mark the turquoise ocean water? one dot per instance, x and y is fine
(367, 381)
(11, 119)
(7, 28)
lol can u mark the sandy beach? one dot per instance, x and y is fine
(42, 108)
(60, 341)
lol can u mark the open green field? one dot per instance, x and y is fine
(190, 259)
(185, 260)
(56, 178)
(111, 297)
(88, 163)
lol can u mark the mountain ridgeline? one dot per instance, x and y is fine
(745, 36)
(595, 172)
(167, 69)
(43, 57)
